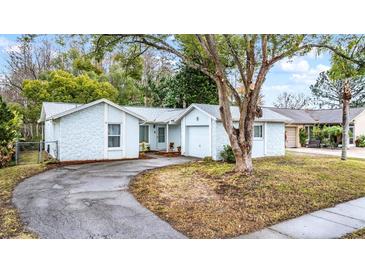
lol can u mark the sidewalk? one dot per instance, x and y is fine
(329, 223)
(352, 152)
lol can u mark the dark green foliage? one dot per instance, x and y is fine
(182, 89)
(189, 86)
(303, 136)
(360, 141)
(62, 86)
(227, 154)
(10, 123)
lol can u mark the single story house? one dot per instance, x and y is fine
(103, 130)
(203, 134)
(300, 118)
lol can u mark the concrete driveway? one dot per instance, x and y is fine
(91, 201)
(352, 152)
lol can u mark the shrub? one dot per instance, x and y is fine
(208, 159)
(10, 123)
(360, 141)
(6, 154)
(303, 136)
(227, 154)
(145, 147)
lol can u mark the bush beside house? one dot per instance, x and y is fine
(10, 123)
(360, 141)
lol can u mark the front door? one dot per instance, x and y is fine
(161, 137)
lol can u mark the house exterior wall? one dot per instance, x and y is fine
(175, 135)
(359, 123)
(50, 136)
(275, 139)
(131, 136)
(271, 144)
(152, 136)
(193, 119)
(196, 117)
(83, 135)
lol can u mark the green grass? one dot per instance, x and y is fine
(208, 200)
(10, 223)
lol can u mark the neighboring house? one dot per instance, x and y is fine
(104, 130)
(309, 118)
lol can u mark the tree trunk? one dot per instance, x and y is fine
(241, 147)
(345, 118)
(243, 162)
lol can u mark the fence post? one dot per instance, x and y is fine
(16, 153)
(57, 151)
(40, 152)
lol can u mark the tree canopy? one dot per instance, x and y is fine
(328, 92)
(292, 100)
(62, 86)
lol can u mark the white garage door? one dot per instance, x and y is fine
(291, 137)
(198, 141)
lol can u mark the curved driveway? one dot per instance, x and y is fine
(91, 201)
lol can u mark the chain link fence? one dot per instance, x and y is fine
(35, 152)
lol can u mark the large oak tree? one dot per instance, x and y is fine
(222, 56)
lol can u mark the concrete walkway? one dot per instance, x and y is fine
(329, 223)
(91, 201)
(352, 152)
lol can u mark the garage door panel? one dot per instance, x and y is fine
(291, 138)
(198, 141)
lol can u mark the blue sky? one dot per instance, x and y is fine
(291, 76)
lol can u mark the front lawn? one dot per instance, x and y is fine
(208, 200)
(10, 223)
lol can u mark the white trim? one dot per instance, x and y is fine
(210, 138)
(189, 109)
(265, 138)
(262, 131)
(106, 139)
(70, 111)
(124, 134)
(59, 141)
(120, 136)
(167, 138)
(353, 119)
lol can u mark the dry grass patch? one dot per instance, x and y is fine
(358, 234)
(10, 223)
(208, 200)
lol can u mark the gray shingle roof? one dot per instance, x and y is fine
(53, 108)
(322, 116)
(157, 115)
(268, 114)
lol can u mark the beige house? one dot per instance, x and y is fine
(308, 118)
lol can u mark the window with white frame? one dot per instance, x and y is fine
(257, 131)
(143, 134)
(113, 135)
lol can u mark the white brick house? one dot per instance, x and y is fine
(102, 130)
(203, 134)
